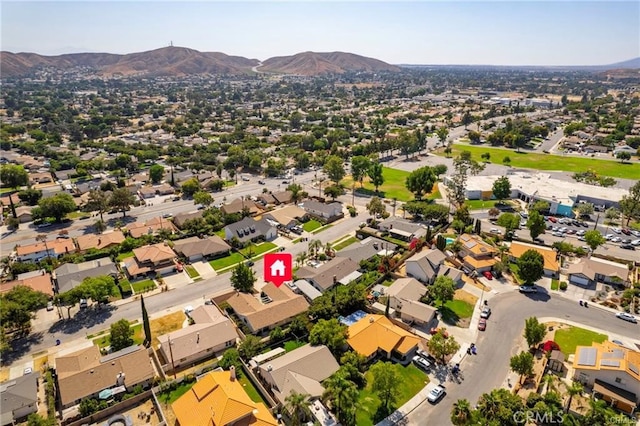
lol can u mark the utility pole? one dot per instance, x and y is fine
(173, 367)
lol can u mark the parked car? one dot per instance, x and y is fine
(486, 313)
(297, 230)
(553, 219)
(627, 247)
(617, 230)
(482, 324)
(167, 215)
(436, 394)
(421, 362)
(49, 306)
(626, 317)
(528, 289)
(487, 275)
(616, 239)
(261, 182)
(625, 231)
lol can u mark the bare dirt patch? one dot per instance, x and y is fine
(465, 297)
(166, 324)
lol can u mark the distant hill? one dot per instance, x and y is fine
(314, 63)
(181, 61)
(631, 64)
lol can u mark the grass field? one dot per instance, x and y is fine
(324, 228)
(250, 389)
(138, 337)
(191, 271)
(393, 186)
(412, 380)
(142, 286)
(235, 257)
(172, 396)
(311, 225)
(293, 344)
(538, 161)
(344, 243)
(123, 256)
(569, 338)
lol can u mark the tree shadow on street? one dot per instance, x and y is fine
(21, 346)
(85, 318)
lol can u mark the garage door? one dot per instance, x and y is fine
(574, 279)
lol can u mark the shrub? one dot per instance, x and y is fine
(563, 285)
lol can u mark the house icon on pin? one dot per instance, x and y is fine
(277, 268)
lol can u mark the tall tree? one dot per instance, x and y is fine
(145, 322)
(630, 204)
(334, 168)
(530, 266)
(13, 176)
(461, 413)
(441, 346)
(442, 134)
(359, 167)
(342, 396)
(386, 383)
(534, 331)
(250, 347)
(421, 181)
(522, 364)
(121, 335)
(463, 166)
(330, 333)
(375, 175)
(98, 201)
(574, 389)
(509, 221)
(242, 278)
(122, 199)
(442, 290)
(297, 404)
(202, 198)
(156, 173)
(585, 209)
(502, 188)
(376, 207)
(594, 239)
(57, 206)
(536, 224)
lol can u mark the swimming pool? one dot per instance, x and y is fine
(450, 240)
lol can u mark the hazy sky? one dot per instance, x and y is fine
(418, 32)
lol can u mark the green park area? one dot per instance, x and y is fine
(569, 338)
(393, 186)
(541, 161)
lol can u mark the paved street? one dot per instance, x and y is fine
(489, 368)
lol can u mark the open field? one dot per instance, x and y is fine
(393, 186)
(538, 161)
(569, 338)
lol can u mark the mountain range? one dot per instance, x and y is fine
(181, 61)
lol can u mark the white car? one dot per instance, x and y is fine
(626, 317)
(617, 230)
(435, 394)
(635, 242)
(421, 362)
(495, 231)
(608, 237)
(188, 309)
(616, 239)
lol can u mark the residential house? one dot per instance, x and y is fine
(146, 192)
(274, 306)
(624, 148)
(307, 289)
(195, 249)
(212, 333)
(366, 249)
(429, 264)
(402, 229)
(69, 275)
(39, 250)
(105, 240)
(612, 371)
(287, 217)
(238, 205)
(152, 191)
(180, 219)
(218, 399)
(24, 214)
(283, 197)
(249, 229)
(39, 280)
(589, 271)
(338, 270)
(378, 335)
(300, 370)
(39, 178)
(86, 373)
(404, 297)
(325, 212)
(19, 398)
(154, 258)
(267, 199)
(551, 266)
(150, 227)
(476, 255)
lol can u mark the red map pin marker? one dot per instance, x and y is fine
(278, 268)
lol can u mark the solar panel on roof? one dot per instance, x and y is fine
(587, 356)
(610, 362)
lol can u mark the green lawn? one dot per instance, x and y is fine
(172, 396)
(393, 186)
(454, 310)
(249, 388)
(555, 284)
(220, 233)
(344, 243)
(324, 228)
(515, 272)
(191, 271)
(311, 225)
(235, 257)
(256, 250)
(143, 285)
(293, 344)
(412, 381)
(538, 161)
(123, 256)
(105, 340)
(571, 337)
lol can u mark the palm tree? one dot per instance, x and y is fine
(489, 405)
(328, 249)
(342, 394)
(461, 412)
(314, 245)
(301, 257)
(576, 388)
(297, 404)
(549, 381)
(599, 413)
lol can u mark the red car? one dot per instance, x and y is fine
(553, 219)
(482, 324)
(487, 275)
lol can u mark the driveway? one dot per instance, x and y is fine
(178, 279)
(204, 269)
